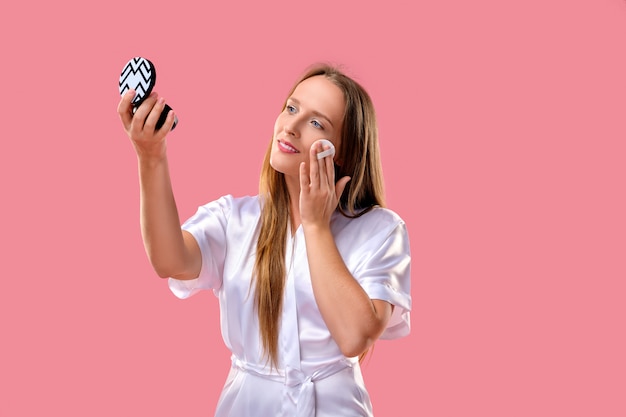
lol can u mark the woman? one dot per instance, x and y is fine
(309, 273)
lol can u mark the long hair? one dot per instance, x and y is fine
(357, 157)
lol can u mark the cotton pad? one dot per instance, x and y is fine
(328, 152)
(139, 74)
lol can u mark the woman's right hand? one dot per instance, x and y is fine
(140, 127)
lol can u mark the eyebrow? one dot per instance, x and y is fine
(315, 112)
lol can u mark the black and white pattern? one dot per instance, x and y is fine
(139, 75)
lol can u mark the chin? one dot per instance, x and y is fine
(275, 165)
(285, 169)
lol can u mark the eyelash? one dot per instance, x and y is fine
(291, 110)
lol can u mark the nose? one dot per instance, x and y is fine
(290, 128)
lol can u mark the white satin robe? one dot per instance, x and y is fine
(313, 377)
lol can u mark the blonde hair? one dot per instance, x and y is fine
(357, 157)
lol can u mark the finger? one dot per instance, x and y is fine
(304, 179)
(326, 167)
(142, 112)
(124, 108)
(314, 169)
(321, 163)
(169, 122)
(330, 168)
(154, 115)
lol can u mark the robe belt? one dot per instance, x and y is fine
(294, 378)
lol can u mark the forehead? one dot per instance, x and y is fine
(320, 94)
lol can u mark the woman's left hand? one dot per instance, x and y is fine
(319, 195)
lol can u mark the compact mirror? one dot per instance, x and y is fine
(139, 74)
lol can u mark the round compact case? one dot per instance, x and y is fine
(139, 74)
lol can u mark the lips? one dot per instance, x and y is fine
(286, 146)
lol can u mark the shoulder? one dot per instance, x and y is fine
(249, 202)
(229, 207)
(383, 215)
(230, 203)
(376, 219)
(376, 225)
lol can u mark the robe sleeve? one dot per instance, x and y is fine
(385, 274)
(208, 226)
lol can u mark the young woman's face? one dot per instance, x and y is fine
(314, 111)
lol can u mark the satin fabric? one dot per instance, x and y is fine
(313, 377)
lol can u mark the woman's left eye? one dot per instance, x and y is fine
(316, 124)
(291, 109)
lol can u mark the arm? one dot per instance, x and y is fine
(172, 252)
(354, 320)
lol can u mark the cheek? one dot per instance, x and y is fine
(278, 124)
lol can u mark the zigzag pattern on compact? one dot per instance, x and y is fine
(139, 75)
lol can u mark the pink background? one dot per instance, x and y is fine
(503, 141)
